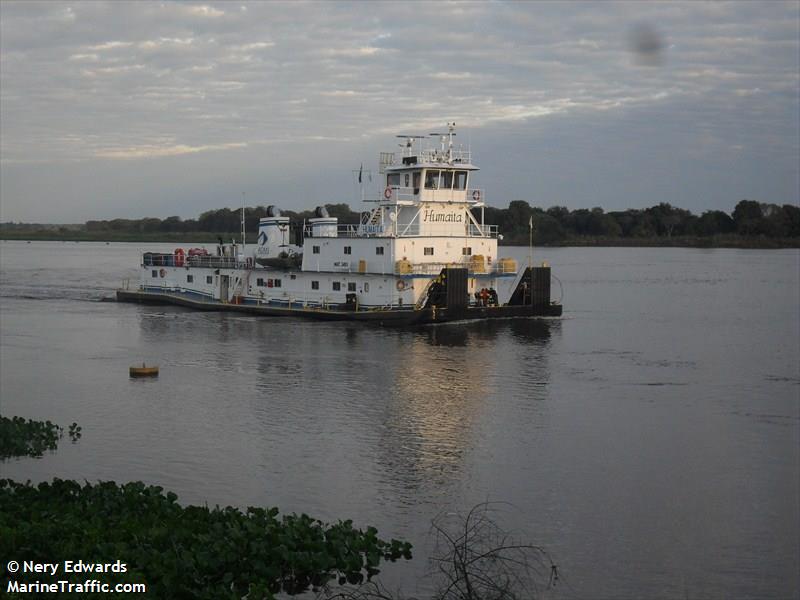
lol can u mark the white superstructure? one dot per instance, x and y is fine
(427, 216)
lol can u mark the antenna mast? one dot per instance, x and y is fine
(447, 139)
(243, 238)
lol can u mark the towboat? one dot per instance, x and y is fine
(420, 254)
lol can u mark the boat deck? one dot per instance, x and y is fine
(400, 317)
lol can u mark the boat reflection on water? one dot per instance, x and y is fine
(405, 407)
(535, 331)
(443, 392)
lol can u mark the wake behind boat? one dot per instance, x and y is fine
(421, 254)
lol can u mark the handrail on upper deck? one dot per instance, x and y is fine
(167, 259)
(396, 193)
(412, 229)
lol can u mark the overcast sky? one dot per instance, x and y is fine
(113, 109)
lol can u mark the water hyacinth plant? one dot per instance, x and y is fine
(185, 552)
(26, 437)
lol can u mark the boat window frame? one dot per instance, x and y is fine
(336, 286)
(314, 284)
(444, 175)
(428, 179)
(428, 250)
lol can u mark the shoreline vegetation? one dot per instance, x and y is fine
(750, 225)
(177, 551)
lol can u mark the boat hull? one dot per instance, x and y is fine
(397, 317)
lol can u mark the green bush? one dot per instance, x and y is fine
(25, 437)
(183, 552)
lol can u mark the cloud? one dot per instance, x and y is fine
(156, 151)
(204, 11)
(144, 81)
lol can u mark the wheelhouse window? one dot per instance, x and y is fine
(466, 251)
(393, 179)
(431, 179)
(428, 251)
(379, 250)
(447, 180)
(416, 182)
(460, 180)
(406, 178)
(348, 250)
(259, 282)
(314, 249)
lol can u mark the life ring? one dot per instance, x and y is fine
(400, 285)
(476, 195)
(387, 193)
(163, 272)
(179, 254)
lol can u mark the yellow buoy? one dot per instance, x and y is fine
(144, 371)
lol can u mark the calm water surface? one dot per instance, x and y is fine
(649, 439)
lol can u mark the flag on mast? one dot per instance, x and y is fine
(360, 170)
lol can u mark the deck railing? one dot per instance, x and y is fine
(475, 268)
(396, 193)
(155, 259)
(407, 230)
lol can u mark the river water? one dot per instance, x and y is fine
(649, 439)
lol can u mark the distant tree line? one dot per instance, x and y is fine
(749, 222)
(221, 221)
(558, 224)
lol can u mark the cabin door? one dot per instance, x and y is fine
(223, 287)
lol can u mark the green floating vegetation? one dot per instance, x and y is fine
(184, 552)
(26, 437)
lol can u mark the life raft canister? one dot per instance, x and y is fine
(387, 193)
(476, 195)
(179, 254)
